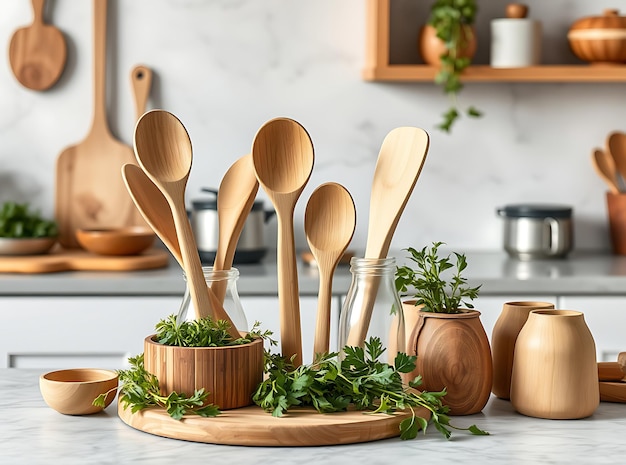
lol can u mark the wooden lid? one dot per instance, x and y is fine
(516, 10)
(610, 19)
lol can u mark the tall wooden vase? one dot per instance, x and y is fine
(453, 352)
(555, 374)
(503, 337)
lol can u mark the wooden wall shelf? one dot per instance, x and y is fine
(378, 68)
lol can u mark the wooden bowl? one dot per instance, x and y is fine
(73, 391)
(599, 39)
(26, 246)
(116, 241)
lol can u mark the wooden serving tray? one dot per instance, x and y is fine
(60, 259)
(251, 426)
(613, 391)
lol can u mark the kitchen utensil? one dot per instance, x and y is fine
(89, 189)
(163, 150)
(604, 165)
(533, 231)
(26, 246)
(329, 223)
(599, 39)
(118, 241)
(235, 198)
(616, 146)
(141, 80)
(73, 391)
(37, 53)
(283, 156)
(157, 212)
(398, 167)
(610, 371)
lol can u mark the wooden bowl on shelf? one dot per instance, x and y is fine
(26, 246)
(73, 391)
(116, 241)
(599, 39)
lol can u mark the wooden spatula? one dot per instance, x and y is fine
(90, 192)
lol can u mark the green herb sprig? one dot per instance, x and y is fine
(361, 380)
(18, 221)
(430, 289)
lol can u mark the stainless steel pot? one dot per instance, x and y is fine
(205, 225)
(537, 231)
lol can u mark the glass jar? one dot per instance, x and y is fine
(222, 282)
(372, 307)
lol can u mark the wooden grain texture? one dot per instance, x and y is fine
(621, 359)
(616, 212)
(599, 39)
(613, 391)
(329, 224)
(251, 426)
(141, 81)
(229, 374)
(90, 193)
(60, 259)
(283, 157)
(38, 52)
(610, 371)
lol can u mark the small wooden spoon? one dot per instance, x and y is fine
(38, 52)
(616, 147)
(399, 164)
(604, 165)
(157, 213)
(329, 223)
(235, 198)
(163, 150)
(283, 156)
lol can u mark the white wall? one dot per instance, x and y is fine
(224, 67)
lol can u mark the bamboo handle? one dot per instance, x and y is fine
(321, 343)
(38, 6)
(99, 123)
(141, 79)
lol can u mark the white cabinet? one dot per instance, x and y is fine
(606, 318)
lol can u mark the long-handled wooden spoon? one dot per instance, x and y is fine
(163, 150)
(616, 147)
(141, 80)
(157, 213)
(329, 223)
(399, 164)
(282, 153)
(38, 52)
(235, 198)
(605, 168)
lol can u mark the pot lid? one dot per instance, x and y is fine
(535, 211)
(211, 203)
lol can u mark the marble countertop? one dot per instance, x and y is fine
(32, 433)
(580, 273)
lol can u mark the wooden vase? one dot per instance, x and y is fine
(230, 374)
(503, 337)
(555, 374)
(432, 47)
(453, 352)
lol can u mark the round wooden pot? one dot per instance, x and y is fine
(453, 352)
(230, 374)
(555, 374)
(432, 47)
(599, 39)
(503, 337)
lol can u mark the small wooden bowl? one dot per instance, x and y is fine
(26, 246)
(73, 391)
(116, 241)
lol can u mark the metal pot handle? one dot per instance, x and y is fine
(554, 226)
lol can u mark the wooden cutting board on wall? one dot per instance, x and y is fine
(90, 191)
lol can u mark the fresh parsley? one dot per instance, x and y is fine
(18, 221)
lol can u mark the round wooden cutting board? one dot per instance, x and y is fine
(251, 426)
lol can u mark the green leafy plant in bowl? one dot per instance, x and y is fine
(24, 232)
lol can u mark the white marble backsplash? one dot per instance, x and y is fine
(225, 67)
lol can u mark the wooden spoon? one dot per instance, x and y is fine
(141, 80)
(605, 168)
(153, 205)
(38, 52)
(399, 164)
(283, 156)
(616, 147)
(163, 150)
(329, 223)
(235, 198)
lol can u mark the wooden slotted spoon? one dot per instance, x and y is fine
(329, 223)
(282, 153)
(38, 52)
(398, 167)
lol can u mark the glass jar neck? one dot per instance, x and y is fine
(211, 275)
(373, 266)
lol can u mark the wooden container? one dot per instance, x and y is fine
(616, 210)
(555, 374)
(599, 39)
(230, 374)
(503, 337)
(432, 47)
(453, 352)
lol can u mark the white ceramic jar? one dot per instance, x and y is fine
(515, 40)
